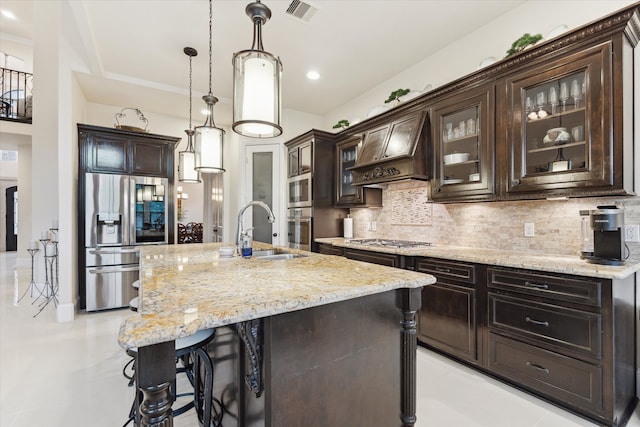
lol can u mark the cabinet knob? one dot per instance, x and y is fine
(437, 189)
(515, 182)
(275, 234)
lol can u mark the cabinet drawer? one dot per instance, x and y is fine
(574, 330)
(571, 381)
(465, 273)
(581, 290)
(374, 257)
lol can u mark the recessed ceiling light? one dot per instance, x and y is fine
(313, 75)
(8, 14)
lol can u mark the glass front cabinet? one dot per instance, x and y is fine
(559, 122)
(463, 132)
(347, 194)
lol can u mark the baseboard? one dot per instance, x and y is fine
(65, 312)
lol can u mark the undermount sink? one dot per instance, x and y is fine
(273, 254)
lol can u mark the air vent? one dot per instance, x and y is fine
(301, 10)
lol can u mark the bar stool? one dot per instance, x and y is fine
(198, 367)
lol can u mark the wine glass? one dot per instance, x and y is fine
(541, 100)
(564, 94)
(553, 99)
(576, 92)
(529, 105)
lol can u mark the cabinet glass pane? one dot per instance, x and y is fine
(348, 159)
(373, 146)
(460, 146)
(305, 159)
(555, 125)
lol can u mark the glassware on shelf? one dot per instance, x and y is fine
(529, 105)
(541, 100)
(471, 127)
(553, 99)
(449, 131)
(564, 95)
(576, 92)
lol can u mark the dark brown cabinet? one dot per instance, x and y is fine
(555, 120)
(463, 135)
(106, 150)
(566, 338)
(300, 159)
(451, 315)
(559, 137)
(347, 194)
(329, 249)
(390, 260)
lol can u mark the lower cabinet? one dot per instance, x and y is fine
(566, 338)
(451, 313)
(329, 249)
(390, 260)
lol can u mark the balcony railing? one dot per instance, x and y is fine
(16, 98)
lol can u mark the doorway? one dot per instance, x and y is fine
(264, 184)
(11, 218)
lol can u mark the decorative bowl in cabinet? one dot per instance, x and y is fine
(451, 159)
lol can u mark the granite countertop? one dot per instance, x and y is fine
(185, 288)
(527, 260)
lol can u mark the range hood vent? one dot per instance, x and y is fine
(393, 151)
(301, 10)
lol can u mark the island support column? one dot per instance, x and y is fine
(410, 302)
(155, 372)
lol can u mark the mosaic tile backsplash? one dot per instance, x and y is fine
(407, 214)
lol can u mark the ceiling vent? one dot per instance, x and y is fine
(301, 10)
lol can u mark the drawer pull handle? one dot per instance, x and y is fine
(536, 322)
(443, 269)
(536, 285)
(537, 367)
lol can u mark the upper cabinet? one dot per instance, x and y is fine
(555, 120)
(561, 133)
(463, 135)
(300, 157)
(107, 150)
(347, 194)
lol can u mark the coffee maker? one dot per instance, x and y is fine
(607, 223)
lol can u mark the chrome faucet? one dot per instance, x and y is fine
(241, 230)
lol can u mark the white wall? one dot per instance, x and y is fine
(463, 56)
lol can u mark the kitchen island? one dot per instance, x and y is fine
(336, 337)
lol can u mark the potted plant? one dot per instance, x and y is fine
(523, 42)
(396, 94)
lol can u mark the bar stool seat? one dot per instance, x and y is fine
(198, 367)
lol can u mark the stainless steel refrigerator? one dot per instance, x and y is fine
(121, 213)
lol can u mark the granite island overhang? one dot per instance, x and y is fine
(314, 303)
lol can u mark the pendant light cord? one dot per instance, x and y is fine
(190, 96)
(210, 42)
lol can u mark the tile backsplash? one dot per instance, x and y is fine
(407, 214)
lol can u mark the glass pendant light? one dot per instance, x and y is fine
(209, 138)
(187, 159)
(256, 83)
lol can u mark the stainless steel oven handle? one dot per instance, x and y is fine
(299, 219)
(113, 270)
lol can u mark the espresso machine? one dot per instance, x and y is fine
(607, 223)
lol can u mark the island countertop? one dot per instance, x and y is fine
(549, 262)
(185, 288)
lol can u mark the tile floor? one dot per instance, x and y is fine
(69, 375)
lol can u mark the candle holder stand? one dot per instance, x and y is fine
(32, 283)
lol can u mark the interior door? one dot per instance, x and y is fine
(264, 184)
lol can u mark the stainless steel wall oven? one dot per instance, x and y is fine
(300, 234)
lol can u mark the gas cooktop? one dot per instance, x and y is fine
(387, 243)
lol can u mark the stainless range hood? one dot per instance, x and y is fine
(396, 149)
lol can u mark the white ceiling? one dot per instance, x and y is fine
(134, 48)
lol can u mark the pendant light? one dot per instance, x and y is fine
(209, 138)
(256, 83)
(187, 158)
